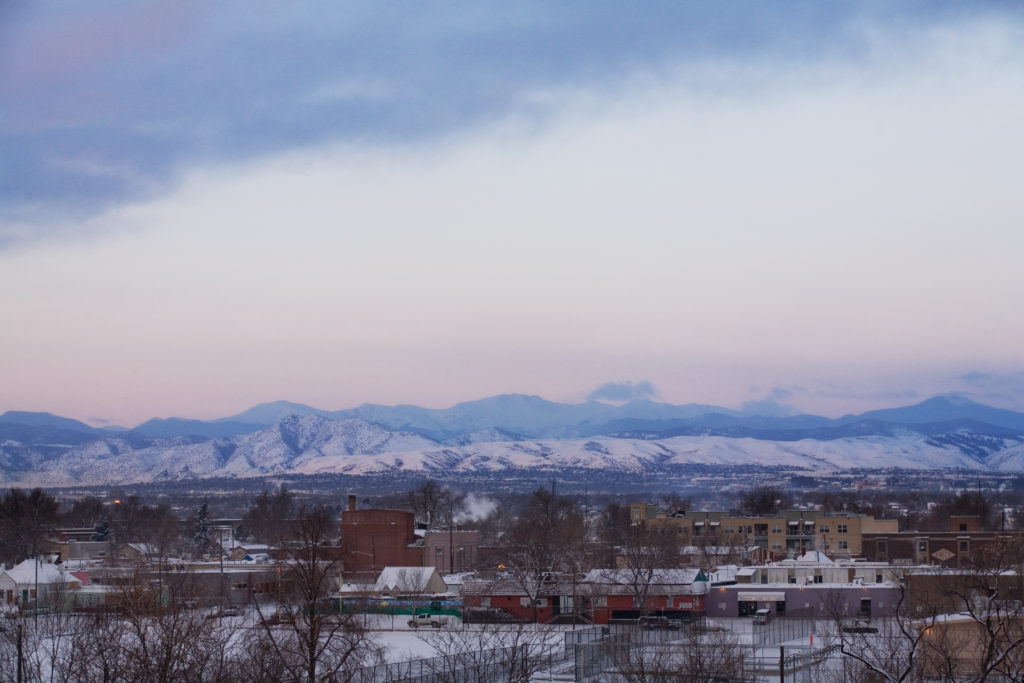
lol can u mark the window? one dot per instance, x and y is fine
(824, 528)
(878, 578)
(729, 530)
(844, 545)
(776, 529)
(818, 578)
(485, 601)
(922, 546)
(881, 548)
(542, 602)
(524, 602)
(792, 579)
(841, 528)
(963, 546)
(963, 527)
(601, 601)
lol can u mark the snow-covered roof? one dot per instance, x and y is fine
(142, 548)
(710, 550)
(404, 578)
(253, 547)
(675, 577)
(814, 557)
(25, 572)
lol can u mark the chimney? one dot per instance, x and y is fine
(351, 502)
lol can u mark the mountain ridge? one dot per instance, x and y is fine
(510, 431)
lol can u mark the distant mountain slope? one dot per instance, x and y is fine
(176, 426)
(942, 409)
(511, 431)
(45, 420)
(312, 445)
(266, 414)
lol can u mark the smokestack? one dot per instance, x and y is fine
(351, 502)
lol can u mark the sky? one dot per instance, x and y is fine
(792, 207)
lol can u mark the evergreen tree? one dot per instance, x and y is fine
(101, 532)
(202, 531)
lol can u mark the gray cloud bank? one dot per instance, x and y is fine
(106, 102)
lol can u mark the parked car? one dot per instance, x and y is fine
(435, 620)
(658, 624)
(762, 616)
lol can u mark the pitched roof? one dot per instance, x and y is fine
(405, 578)
(664, 577)
(25, 572)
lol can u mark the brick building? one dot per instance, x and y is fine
(787, 534)
(374, 539)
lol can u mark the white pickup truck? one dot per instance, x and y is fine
(435, 620)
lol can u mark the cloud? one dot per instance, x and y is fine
(622, 392)
(1008, 388)
(767, 407)
(781, 393)
(112, 102)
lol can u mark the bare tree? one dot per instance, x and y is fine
(494, 653)
(24, 519)
(646, 550)
(165, 637)
(541, 543)
(696, 657)
(315, 641)
(958, 625)
(271, 511)
(984, 637)
(432, 503)
(889, 649)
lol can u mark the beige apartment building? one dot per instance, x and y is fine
(789, 534)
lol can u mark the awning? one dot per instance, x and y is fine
(809, 522)
(763, 596)
(794, 523)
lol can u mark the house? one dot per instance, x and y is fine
(250, 552)
(612, 594)
(959, 642)
(505, 598)
(410, 581)
(137, 553)
(19, 584)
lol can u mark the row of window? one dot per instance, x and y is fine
(824, 528)
(922, 547)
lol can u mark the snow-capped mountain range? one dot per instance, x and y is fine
(505, 432)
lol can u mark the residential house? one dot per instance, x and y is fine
(35, 578)
(617, 594)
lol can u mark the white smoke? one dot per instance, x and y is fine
(474, 508)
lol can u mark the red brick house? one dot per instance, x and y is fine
(504, 593)
(613, 594)
(600, 596)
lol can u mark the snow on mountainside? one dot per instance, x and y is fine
(507, 432)
(313, 445)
